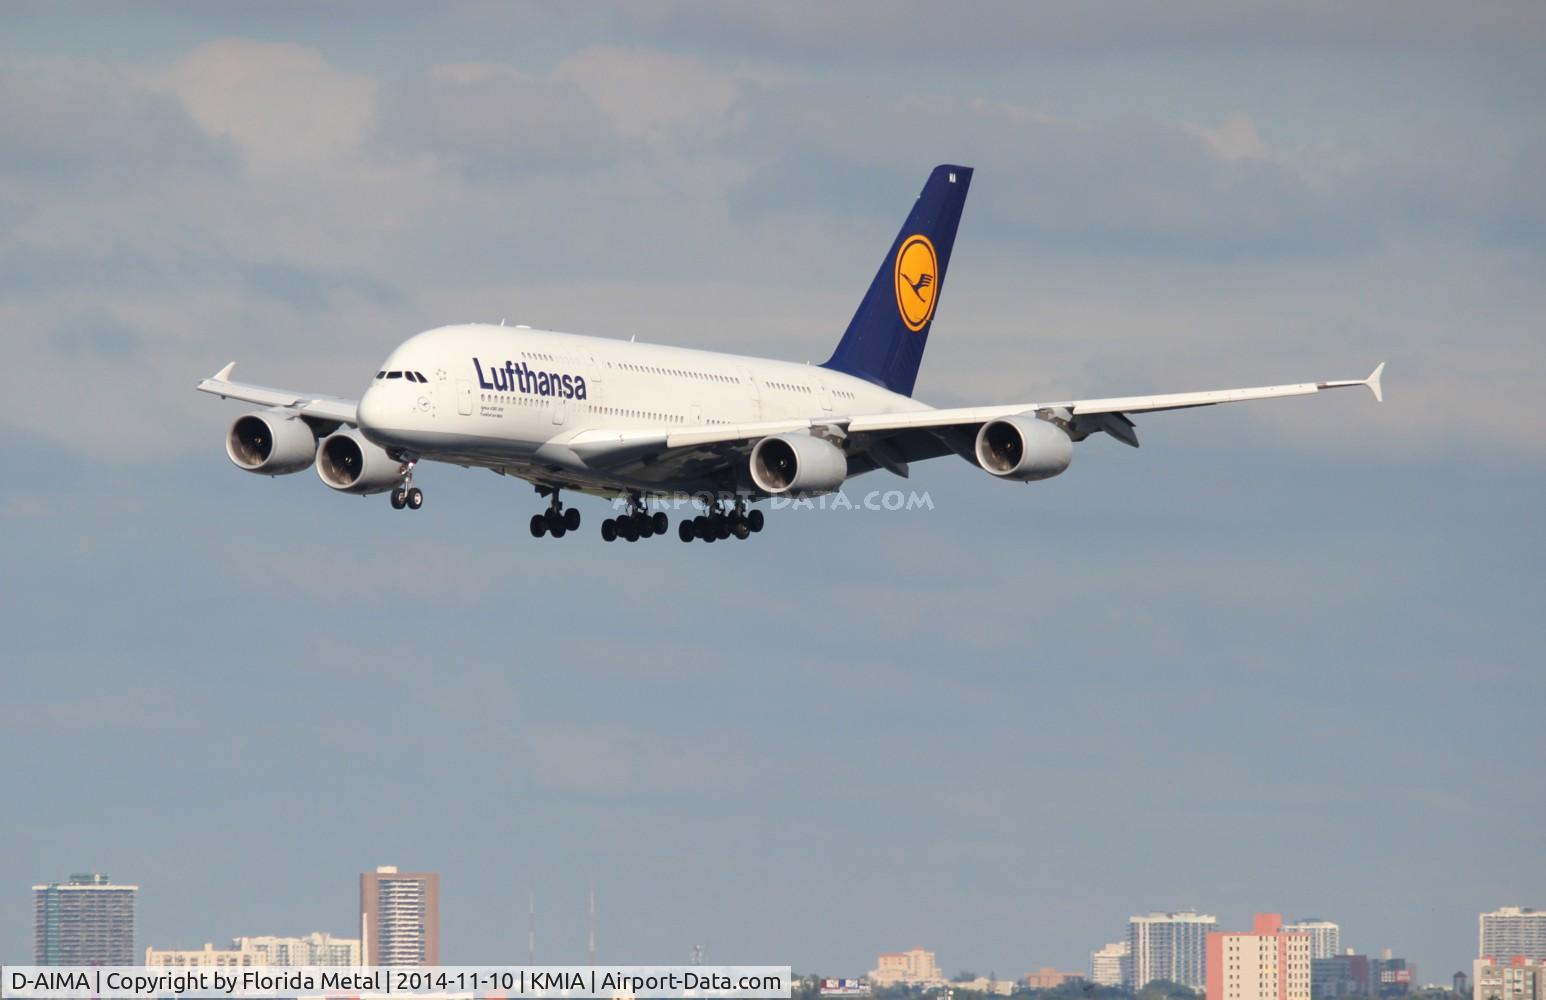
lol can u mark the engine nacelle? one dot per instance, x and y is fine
(350, 464)
(797, 465)
(1023, 448)
(270, 442)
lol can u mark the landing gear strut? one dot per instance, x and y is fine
(407, 494)
(556, 520)
(636, 524)
(722, 519)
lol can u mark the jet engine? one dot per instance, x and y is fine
(797, 465)
(270, 442)
(1023, 448)
(350, 464)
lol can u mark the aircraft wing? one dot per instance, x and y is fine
(891, 440)
(326, 409)
(1111, 405)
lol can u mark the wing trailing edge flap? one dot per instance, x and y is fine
(1116, 425)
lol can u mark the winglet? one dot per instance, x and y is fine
(224, 374)
(1373, 382)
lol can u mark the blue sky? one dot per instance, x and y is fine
(1284, 657)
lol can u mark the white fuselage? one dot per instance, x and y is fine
(511, 398)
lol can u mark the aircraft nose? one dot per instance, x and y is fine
(371, 412)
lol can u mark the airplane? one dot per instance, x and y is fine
(644, 423)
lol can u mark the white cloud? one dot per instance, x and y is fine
(1234, 139)
(284, 105)
(650, 93)
(63, 119)
(493, 118)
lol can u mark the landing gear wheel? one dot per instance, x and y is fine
(399, 498)
(721, 527)
(627, 530)
(700, 526)
(741, 530)
(684, 531)
(662, 522)
(755, 520)
(644, 525)
(415, 498)
(556, 520)
(609, 530)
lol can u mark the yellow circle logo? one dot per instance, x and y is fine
(917, 280)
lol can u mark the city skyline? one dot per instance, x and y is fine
(1514, 924)
(1241, 668)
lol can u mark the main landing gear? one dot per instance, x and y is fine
(407, 494)
(722, 522)
(636, 524)
(723, 518)
(556, 520)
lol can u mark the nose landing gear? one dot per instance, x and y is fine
(407, 494)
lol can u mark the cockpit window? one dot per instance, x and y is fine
(420, 377)
(381, 374)
(394, 374)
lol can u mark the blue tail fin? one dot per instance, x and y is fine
(885, 339)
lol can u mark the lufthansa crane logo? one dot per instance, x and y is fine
(917, 281)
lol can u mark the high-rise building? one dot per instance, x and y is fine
(1169, 946)
(1325, 936)
(1269, 963)
(1513, 930)
(1109, 966)
(913, 968)
(400, 917)
(316, 948)
(85, 921)
(1508, 979)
